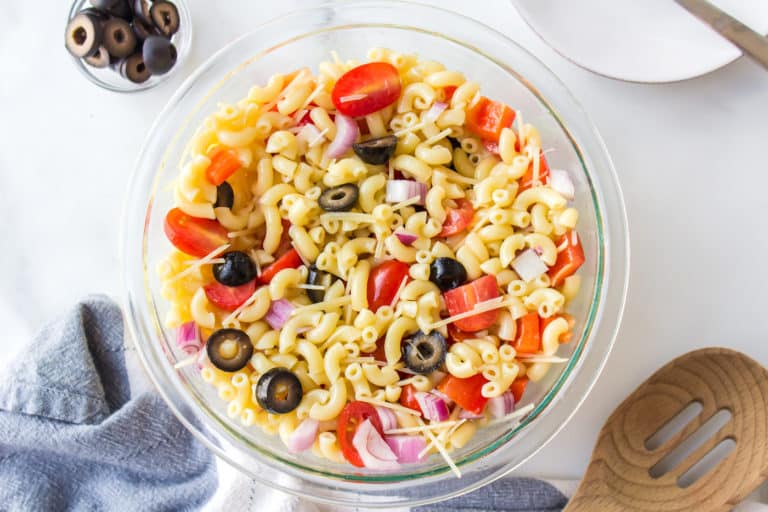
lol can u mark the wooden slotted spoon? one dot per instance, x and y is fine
(619, 477)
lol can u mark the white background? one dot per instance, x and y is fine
(691, 158)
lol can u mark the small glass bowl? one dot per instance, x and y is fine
(110, 79)
(507, 73)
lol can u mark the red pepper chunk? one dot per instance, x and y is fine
(527, 180)
(528, 340)
(464, 298)
(290, 259)
(487, 118)
(465, 392)
(408, 398)
(568, 260)
(518, 388)
(224, 163)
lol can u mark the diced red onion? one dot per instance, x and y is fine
(500, 406)
(528, 265)
(432, 406)
(467, 415)
(346, 135)
(406, 238)
(402, 190)
(373, 450)
(279, 312)
(304, 435)
(561, 181)
(407, 448)
(443, 396)
(434, 112)
(387, 417)
(188, 338)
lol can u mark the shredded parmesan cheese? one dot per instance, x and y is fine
(407, 202)
(442, 436)
(480, 307)
(320, 137)
(202, 261)
(454, 176)
(244, 232)
(541, 358)
(396, 407)
(514, 415)
(428, 426)
(409, 129)
(400, 289)
(232, 317)
(185, 362)
(333, 303)
(352, 97)
(442, 451)
(311, 287)
(437, 137)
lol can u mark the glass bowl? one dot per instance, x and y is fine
(110, 79)
(507, 73)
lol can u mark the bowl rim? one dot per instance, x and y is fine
(577, 359)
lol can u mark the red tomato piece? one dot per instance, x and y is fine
(528, 338)
(464, 298)
(456, 335)
(518, 388)
(384, 281)
(353, 414)
(229, 298)
(224, 163)
(290, 259)
(305, 119)
(568, 260)
(487, 118)
(527, 181)
(193, 235)
(465, 392)
(449, 90)
(408, 398)
(457, 219)
(366, 89)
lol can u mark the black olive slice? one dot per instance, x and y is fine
(320, 278)
(100, 59)
(134, 69)
(141, 11)
(455, 143)
(122, 9)
(339, 199)
(229, 350)
(165, 16)
(225, 196)
(83, 36)
(424, 353)
(159, 54)
(376, 151)
(238, 268)
(119, 39)
(279, 391)
(447, 273)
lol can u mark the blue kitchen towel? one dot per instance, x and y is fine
(72, 437)
(506, 495)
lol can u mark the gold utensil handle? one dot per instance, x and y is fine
(752, 43)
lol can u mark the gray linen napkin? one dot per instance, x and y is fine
(73, 438)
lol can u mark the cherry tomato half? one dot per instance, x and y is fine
(229, 298)
(384, 281)
(290, 259)
(366, 89)
(353, 414)
(457, 219)
(192, 235)
(408, 398)
(465, 392)
(464, 298)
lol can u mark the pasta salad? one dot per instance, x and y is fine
(371, 261)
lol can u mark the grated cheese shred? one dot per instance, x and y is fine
(428, 426)
(396, 407)
(333, 303)
(202, 261)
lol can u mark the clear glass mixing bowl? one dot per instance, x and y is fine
(507, 73)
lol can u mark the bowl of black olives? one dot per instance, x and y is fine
(128, 45)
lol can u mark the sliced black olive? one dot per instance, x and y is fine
(339, 199)
(376, 151)
(424, 353)
(100, 59)
(141, 10)
(279, 391)
(119, 39)
(165, 16)
(320, 278)
(84, 35)
(134, 69)
(159, 54)
(122, 9)
(238, 268)
(229, 350)
(455, 143)
(447, 273)
(142, 30)
(225, 196)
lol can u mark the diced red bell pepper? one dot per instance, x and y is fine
(465, 392)
(464, 298)
(487, 118)
(527, 181)
(568, 260)
(290, 259)
(518, 388)
(224, 163)
(528, 340)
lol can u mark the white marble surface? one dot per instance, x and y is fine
(691, 157)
